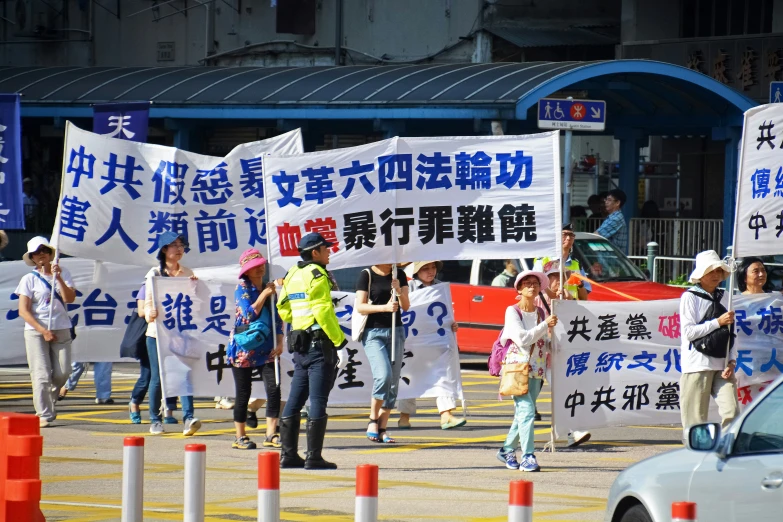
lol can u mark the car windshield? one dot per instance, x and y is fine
(603, 262)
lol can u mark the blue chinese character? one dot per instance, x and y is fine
(115, 227)
(257, 224)
(473, 172)
(99, 313)
(357, 169)
(773, 361)
(742, 322)
(744, 362)
(13, 313)
(214, 230)
(672, 357)
(518, 161)
(436, 168)
(408, 318)
(178, 312)
(166, 221)
(577, 364)
(288, 191)
(760, 180)
(73, 219)
(251, 181)
(779, 183)
(395, 166)
(132, 306)
(608, 360)
(218, 320)
(127, 178)
(644, 359)
(345, 312)
(169, 181)
(319, 186)
(80, 169)
(771, 320)
(211, 187)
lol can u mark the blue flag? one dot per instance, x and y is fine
(125, 121)
(11, 206)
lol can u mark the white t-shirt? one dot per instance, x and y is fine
(39, 294)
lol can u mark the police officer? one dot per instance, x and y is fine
(580, 290)
(306, 303)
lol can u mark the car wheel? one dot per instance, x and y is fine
(636, 514)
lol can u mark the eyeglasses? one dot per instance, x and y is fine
(530, 284)
(177, 245)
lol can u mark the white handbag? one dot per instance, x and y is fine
(358, 321)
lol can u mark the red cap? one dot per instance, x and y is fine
(520, 493)
(367, 480)
(196, 447)
(134, 441)
(269, 470)
(684, 510)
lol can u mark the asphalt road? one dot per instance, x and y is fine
(430, 474)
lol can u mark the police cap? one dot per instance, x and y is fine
(313, 240)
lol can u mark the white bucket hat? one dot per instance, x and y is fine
(706, 262)
(32, 246)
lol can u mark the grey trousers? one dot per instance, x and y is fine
(695, 391)
(50, 366)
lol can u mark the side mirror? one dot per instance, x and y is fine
(703, 437)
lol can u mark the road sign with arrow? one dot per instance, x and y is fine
(585, 115)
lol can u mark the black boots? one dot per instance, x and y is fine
(316, 429)
(289, 440)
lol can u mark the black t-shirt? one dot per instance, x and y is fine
(380, 294)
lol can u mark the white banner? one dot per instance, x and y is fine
(617, 364)
(759, 213)
(195, 317)
(118, 196)
(413, 199)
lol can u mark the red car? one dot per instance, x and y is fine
(480, 308)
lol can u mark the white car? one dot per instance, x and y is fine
(735, 476)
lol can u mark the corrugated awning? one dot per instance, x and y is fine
(524, 36)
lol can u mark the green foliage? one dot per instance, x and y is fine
(680, 280)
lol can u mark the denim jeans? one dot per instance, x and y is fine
(385, 375)
(102, 378)
(522, 430)
(155, 389)
(143, 384)
(313, 377)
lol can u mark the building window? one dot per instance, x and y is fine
(707, 18)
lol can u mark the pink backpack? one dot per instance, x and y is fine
(500, 349)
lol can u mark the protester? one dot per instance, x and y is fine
(526, 326)
(377, 284)
(254, 313)
(424, 273)
(315, 338)
(578, 288)
(597, 206)
(29, 201)
(48, 350)
(705, 376)
(614, 228)
(752, 277)
(506, 277)
(171, 249)
(101, 377)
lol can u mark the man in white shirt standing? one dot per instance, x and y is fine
(705, 376)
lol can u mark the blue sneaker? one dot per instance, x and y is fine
(509, 459)
(169, 420)
(529, 463)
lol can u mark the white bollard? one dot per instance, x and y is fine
(268, 487)
(520, 501)
(683, 512)
(133, 479)
(366, 493)
(195, 470)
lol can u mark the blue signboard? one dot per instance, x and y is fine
(125, 121)
(557, 113)
(11, 201)
(775, 92)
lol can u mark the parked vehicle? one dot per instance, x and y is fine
(734, 476)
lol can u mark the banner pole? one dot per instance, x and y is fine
(153, 289)
(57, 220)
(269, 264)
(394, 315)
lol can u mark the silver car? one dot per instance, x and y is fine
(732, 476)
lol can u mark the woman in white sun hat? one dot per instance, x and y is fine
(705, 372)
(48, 348)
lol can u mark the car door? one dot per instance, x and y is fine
(747, 484)
(488, 304)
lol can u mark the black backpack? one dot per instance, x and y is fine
(715, 343)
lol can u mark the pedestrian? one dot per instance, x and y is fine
(306, 303)
(424, 273)
(101, 378)
(597, 206)
(171, 249)
(613, 227)
(506, 277)
(377, 284)
(48, 347)
(705, 373)
(526, 326)
(752, 277)
(254, 308)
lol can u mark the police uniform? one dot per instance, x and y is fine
(306, 303)
(571, 265)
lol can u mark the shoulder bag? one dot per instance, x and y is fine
(359, 321)
(57, 296)
(514, 377)
(715, 343)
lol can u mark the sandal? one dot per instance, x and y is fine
(272, 442)
(373, 435)
(385, 437)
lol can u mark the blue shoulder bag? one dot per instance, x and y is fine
(254, 336)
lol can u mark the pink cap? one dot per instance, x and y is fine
(250, 259)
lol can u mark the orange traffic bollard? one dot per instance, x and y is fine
(683, 512)
(21, 447)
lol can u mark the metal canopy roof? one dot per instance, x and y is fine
(641, 92)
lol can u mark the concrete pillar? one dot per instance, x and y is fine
(183, 139)
(629, 172)
(733, 135)
(482, 52)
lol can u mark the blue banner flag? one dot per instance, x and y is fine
(125, 121)
(11, 205)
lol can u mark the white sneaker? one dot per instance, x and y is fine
(575, 438)
(191, 427)
(224, 404)
(156, 428)
(43, 423)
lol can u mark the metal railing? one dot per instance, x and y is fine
(667, 269)
(675, 237)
